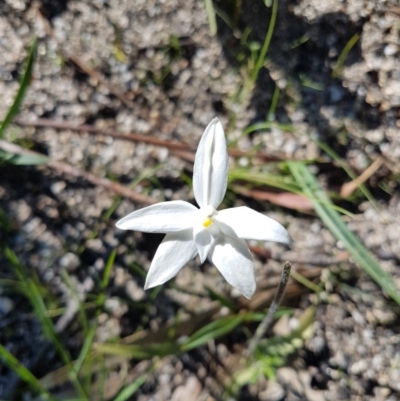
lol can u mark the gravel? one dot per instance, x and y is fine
(161, 56)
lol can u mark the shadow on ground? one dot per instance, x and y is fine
(304, 54)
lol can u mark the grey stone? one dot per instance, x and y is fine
(70, 262)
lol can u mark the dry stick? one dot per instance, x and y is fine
(151, 140)
(65, 168)
(266, 323)
(92, 130)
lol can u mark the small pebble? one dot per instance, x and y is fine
(70, 261)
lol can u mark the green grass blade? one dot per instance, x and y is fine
(264, 178)
(212, 21)
(212, 330)
(107, 270)
(25, 375)
(85, 348)
(23, 160)
(25, 81)
(274, 104)
(136, 351)
(305, 281)
(224, 301)
(259, 316)
(101, 298)
(343, 55)
(33, 293)
(340, 230)
(128, 391)
(267, 125)
(267, 42)
(48, 327)
(201, 337)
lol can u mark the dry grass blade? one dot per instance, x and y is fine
(348, 188)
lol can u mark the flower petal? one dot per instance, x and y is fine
(232, 258)
(243, 222)
(164, 217)
(204, 238)
(174, 252)
(210, 172)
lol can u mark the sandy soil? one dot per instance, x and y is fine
(163, 74)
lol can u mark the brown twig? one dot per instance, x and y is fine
(92, 130)
(66, 168)
(181, 148)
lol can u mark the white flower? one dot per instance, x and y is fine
(218, 236)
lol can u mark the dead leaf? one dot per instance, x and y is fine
(285, 199)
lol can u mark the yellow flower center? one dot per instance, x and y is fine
(207, 222)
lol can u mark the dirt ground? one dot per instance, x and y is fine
(162, 74)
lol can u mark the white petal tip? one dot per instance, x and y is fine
(279, 234)
(248, 295)
(120, 224)
(148, 286)
(249, 291)
(286, 239)
(124, 223)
